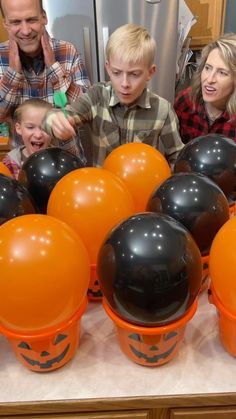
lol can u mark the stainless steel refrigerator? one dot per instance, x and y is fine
(88, 24)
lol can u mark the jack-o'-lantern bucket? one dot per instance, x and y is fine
(227, 323)
(94, 289)
(232, 209)
(50, 350)
(205, 273)
(150, 346)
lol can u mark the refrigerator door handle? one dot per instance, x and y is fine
(88, 54)
(102, 53)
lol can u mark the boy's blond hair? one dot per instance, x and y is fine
(131, 43)
(35, 103)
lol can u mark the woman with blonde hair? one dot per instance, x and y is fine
(209, 104)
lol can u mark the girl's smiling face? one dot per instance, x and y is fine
(29, 128)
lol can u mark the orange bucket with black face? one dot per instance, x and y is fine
(94, 290)
(232, 210)
(47, 351)
(150, 346)
(227, 323)
(205, 273)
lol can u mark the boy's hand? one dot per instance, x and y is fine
(14, 57)
(60, 126)
(49, 56)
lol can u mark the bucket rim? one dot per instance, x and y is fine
(149, 330)
(11, 334)
(214, 299)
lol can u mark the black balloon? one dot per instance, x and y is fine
(43, 169)
(149, 269)
(15, 200)
(195, 201)
(214, 156)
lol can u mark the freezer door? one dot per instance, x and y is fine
(74, 21)
(160, 17)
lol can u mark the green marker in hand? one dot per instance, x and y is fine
(60, 100)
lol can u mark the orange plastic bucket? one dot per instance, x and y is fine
(94, 290)
(232, 210)
(150, 346)
(4, 169)
(227, 324)
(45, 352)
(205, 273)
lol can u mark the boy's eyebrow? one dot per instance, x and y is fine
(129, 71)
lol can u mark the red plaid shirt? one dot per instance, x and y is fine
(194, 122)
(67, 74)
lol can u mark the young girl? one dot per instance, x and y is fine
(28, 119)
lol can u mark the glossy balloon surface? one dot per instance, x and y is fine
(92, 201)
(149, 269)
(195, 201)
(141, 167)
(42, 170)
(15, 200)
(222, 265)
(213, 156)
(44, 273)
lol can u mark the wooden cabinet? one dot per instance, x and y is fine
(3, 32)
(110, 415)
(199, 406)
(210, 21)
(204, 413)
(4, 148)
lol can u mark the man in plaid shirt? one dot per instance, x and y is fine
(33, 65)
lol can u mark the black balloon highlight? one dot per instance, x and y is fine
(15, 200)
(149, 269)
(195, 201)
(43, 169)
(214, 156)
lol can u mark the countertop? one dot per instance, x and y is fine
(100, 370)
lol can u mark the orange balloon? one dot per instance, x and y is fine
(222, 265)
(4, 169)
(92, 201)
(141, 167)
(44, 277)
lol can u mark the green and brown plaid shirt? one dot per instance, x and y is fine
(150, 120)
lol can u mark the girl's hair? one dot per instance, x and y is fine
(131, 43)
(226, 45)
(35, 103)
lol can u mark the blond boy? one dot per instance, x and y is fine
(123, 110)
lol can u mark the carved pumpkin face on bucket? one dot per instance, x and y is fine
(150, 346)
(205, 273)
(48, 353)
(94, 290)
(150, 350)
